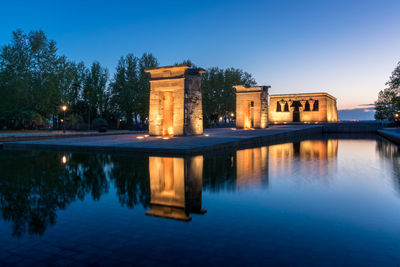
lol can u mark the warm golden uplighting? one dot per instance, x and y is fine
(64, 159)
(251, 107)
(170, 87)
(171, 131)
(232, 114)
(64, 108)
(165, 138)
(146, 135)
(206, 135)
(247, 123)
(139, 137)
(308, 107)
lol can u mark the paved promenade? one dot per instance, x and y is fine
(33, 135)
(213, 139)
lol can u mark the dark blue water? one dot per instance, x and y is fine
(315, 202)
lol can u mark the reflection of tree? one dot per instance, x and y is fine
(391, 152)
(131, 178)
(91, 171)
(34, 185)
(219, 172)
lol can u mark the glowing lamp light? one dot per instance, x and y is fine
(146, 135)
(62, 120)
(232, 115)
(165, 138)
(170, 131)
(64, 108)
(206, 135)
(139, 137)
(64, 159)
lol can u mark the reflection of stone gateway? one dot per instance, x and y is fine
(175, 101)
(252, 167)
(319, 156)
(176, 187)
(251, 107)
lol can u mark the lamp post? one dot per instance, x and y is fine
(64, 108)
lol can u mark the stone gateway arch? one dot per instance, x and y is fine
(175, 101)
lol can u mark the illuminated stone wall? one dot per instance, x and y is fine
(175, 101)
(313, 107)
(251, 107)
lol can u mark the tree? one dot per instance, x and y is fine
(388, 103)
(34, 79)
(147, 61)
(130, 87)
(218, 93)
(95, 94)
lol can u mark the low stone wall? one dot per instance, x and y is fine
(391, 134)
(357, 127)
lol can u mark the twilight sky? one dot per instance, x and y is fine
(343, 47)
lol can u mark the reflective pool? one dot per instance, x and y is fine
(324, 201)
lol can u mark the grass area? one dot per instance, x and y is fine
(28, 131)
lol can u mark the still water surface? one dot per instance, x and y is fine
(327, 201)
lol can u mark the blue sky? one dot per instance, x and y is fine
(346, 48)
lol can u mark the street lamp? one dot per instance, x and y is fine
(64, 108)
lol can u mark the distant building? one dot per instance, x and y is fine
(251, 107)
(175, 101)
(312, 107)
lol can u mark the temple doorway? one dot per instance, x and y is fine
(168, 114)
(252, 114)
(296, 111)
(249, 116)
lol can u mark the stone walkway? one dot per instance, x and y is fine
(213, 139)
(32, 135)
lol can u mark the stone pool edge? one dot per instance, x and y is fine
(290, 135)
(391, 135)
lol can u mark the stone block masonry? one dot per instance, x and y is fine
(251, 107)
(175, 101)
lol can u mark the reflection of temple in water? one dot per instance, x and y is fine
(252, 167)
(317, 153)
(176, 187)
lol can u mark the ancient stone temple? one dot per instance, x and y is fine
(313, 107)
(175, 187)
(175, 101)
(251, 107)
